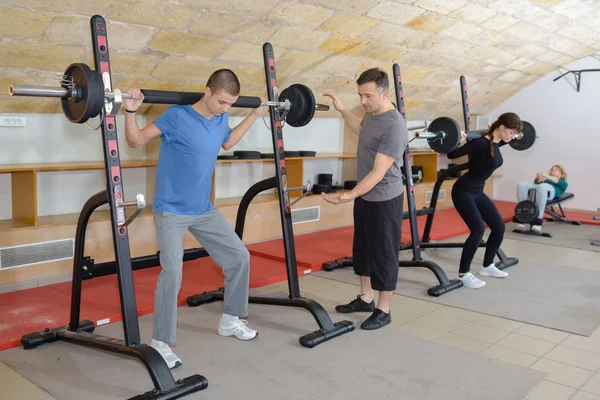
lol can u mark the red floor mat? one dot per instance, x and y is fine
(314, 249)
(584, 218)
(36, 309)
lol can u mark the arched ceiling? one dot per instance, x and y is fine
(501, 46)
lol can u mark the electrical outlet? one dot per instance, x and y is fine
(9, 120)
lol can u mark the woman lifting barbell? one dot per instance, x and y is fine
(473, 205)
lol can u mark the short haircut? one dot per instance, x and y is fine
(224, 79)
(376, 75)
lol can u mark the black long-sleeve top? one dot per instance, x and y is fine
(481, 163)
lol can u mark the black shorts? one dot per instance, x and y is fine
(376, 246)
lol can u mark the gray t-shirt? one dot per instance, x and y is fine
(387, 134)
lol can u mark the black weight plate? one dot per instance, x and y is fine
(90, 94)
(529, 136)
(292, 153)
(526, 212)
(317, 188)
(452, 138)
(246, 154)
(227, 157)
(325, 179)
(307, 153)
(267, 155)
(302, 102)
(349, 185)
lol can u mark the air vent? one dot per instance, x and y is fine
(309, 214)
(441, 195)
(37, 253)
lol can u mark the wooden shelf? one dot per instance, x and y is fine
(92, 165)
(71, 166)
(65, 219)
(10, 224)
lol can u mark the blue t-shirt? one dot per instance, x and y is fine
(188, 153)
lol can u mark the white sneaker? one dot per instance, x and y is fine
(469, 280)
(522, 227)
(492, 270)
(536, 228)
(165, 351)
(236, 327)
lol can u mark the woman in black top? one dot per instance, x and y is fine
(473, 205)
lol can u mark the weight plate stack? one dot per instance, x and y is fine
(247, 155)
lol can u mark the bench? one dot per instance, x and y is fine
(559, 215)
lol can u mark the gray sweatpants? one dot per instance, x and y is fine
(227, 250)
(543, 193)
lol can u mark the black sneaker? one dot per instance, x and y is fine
(377, 320)
(356, 305)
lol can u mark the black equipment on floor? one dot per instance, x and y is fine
(80, 332)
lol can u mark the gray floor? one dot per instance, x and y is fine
(553, 285)
(564, 235)
(557, 297)
(384, 364)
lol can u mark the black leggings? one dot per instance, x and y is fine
(475, 208)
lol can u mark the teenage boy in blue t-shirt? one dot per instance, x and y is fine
(191, 138)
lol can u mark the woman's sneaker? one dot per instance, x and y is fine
(536, 228)
(471, 282)
(492, 270)
(165, 351)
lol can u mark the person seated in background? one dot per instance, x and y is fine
(547, 187)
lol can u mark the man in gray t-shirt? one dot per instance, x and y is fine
(378, 196)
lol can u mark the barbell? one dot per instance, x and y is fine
(444, 135)
(83, 96)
